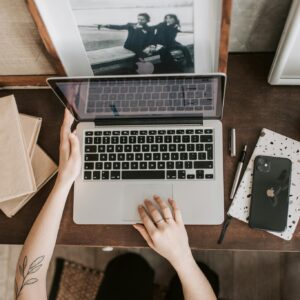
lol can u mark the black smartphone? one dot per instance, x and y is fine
(270, 193)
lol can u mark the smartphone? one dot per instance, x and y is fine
(270, 193)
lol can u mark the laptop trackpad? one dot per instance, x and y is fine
(135, 193)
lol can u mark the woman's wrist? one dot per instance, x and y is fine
(63, 182)
(184, 262)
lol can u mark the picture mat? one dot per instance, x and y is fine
(61, 25)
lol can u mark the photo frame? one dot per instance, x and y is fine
(285, 69)
(45, 32)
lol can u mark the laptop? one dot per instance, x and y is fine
(147, 135)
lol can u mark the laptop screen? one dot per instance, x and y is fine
(142, 97)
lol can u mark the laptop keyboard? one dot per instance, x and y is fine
(170, 154)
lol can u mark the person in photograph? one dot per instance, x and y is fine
(139, 34)
(164, 39)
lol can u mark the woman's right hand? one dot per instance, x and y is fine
(164, 231)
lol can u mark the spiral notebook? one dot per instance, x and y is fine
(272, 144)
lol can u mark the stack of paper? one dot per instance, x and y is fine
(25, 167)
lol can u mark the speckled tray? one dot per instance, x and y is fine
(272, 144)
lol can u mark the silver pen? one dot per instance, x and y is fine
(233, 190)
(238, 172)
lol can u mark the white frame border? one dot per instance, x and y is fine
(289, 35)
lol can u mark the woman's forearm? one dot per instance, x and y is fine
(38, 248)
(195, 286)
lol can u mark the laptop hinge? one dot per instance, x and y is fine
(150, 121)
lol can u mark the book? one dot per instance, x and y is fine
(271, 143)
(16, 173)
(44, 169)
(31, 128)
(43, 166)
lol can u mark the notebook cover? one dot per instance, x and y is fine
(44, 169)
(31, 128)
(271, 143)
(16, 173)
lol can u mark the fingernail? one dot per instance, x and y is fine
(140, 206)
(155, 196)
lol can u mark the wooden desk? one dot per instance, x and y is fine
(251, 104)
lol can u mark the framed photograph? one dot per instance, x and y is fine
(131, 37)
(285, 69)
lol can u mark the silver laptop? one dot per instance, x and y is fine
(147, 135)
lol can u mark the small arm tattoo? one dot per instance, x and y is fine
(26, 273)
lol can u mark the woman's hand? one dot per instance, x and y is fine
(164, 231)
(69, 152)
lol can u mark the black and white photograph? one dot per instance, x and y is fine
(137, 36)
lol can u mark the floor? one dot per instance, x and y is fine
(243, 274)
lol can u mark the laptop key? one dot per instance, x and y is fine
(134, 165)
(105, 175)
(119, 148)
(209, 176)
(179, 165)
(208, 131)
(125, 165)
(103, 157)
(163, 148)
(209, 150)
(87, 175)
(181, 174)
(143, 165)
(89, 133)
(107, 165)
(152, 165)
(171, 174)
(91, 148)
(188, 165)
(199, 147)
(101, 148)
(115, 175)
(89, 140)
(91, 157)
(202, 156)
(99, 166)
(156, 156)
(170, 165)
(190, 176)
(203, 164)
(139, 156)
(143, 175)
(199, 174)
(116, 166)
(181, 147)
(136, 148)
(96, 175)
(110, 148)
(89, 166)
(206, 138)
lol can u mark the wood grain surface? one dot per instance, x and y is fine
(251, 104)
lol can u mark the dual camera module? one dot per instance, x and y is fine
(263, 164)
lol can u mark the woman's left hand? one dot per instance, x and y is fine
(69, 152)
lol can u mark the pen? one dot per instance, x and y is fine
(238, 173)
(232, 193)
